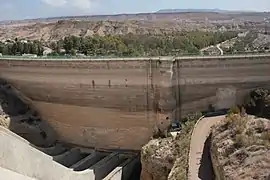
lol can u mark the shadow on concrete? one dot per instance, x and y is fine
(206, 169)
(136, 172)
(22, 120)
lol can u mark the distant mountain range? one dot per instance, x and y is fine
(163, 14)
(198, 11)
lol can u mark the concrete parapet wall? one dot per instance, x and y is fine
(39, 166)
(11, 175)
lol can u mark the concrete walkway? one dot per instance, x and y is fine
(58, 163)
(199, 160)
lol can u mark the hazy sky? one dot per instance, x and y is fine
(21, 9)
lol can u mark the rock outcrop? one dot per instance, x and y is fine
(240, 148)
(258, 103)
(167, 158)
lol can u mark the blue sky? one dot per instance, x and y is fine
(21, 9)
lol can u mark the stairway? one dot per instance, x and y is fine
(63, 163)
(106, 165)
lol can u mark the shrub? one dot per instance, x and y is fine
(240, 141)
(266, 136)
(234, 110)
(192, 117)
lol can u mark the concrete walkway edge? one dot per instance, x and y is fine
(188, 172)
(201, 131)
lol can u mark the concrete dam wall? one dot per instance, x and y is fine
(218, 82)
(120, 103)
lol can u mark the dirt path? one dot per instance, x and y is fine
(217, 46)
(200, 166)
(221, 51)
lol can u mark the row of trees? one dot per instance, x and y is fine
(142, 45)
(19, 48)
(126, 45)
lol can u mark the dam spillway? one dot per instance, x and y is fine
(104, 103)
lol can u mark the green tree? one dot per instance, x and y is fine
(33, 48)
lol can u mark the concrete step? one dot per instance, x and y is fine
(95, 166)
(70, 157)
(54, 150)
(39, 165)
(123, 171)
(88, 161)
(107, 164)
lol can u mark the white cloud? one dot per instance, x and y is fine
(81, 4)
(55, 3)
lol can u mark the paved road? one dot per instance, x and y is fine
(200, 166)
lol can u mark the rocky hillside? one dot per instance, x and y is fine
(262, 42)
(258, 103)
(144, 23)
(248, 42)
(240, 148)
(167, 158)
(60, 29)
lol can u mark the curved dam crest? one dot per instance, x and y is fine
(105, 103)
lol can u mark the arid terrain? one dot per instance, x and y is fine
(146, 23)
(240, 148)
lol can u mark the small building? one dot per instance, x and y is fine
(24, 41)
(80, 55)
(47, 51)
(62, 51)
(29, 55)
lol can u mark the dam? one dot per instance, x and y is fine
(120, 103)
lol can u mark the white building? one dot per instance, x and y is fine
(29, 55)
(24, 41)
(47, 51)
